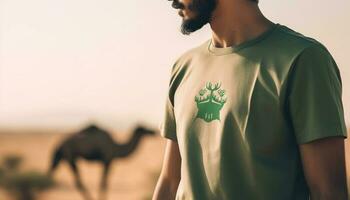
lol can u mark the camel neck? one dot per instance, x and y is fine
(125, 149)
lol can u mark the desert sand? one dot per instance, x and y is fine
(132, 178)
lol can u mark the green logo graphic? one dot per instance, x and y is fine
(209, 101)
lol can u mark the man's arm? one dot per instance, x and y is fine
(324, 168)
(170, 174)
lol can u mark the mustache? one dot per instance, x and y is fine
(177, 5)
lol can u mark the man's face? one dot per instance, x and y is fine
(195, 13)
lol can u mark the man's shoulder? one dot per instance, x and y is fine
(290, 40)
(187, 56)
(181, 65)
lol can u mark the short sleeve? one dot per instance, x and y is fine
(315, 96)
(167, 126)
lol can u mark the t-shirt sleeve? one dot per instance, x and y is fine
(167, 126)
(315, 96)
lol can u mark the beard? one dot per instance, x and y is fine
(203, 10)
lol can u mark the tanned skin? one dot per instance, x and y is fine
(324, 168)
(233, 22)
(170, 175)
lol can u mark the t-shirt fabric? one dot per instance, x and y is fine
(238, 114)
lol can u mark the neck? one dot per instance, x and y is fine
(234, 22)
(123, 150)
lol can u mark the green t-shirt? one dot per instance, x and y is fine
(239, 113)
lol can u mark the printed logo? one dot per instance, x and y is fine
(209, 101)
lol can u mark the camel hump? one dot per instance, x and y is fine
(92, 128)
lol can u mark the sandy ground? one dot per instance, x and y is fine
(132, 178)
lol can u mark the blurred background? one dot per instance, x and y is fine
(69, 65)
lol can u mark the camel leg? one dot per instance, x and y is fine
(104, 181)
(78, 182)
(56, 159)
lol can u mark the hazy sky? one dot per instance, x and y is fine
(69, 61)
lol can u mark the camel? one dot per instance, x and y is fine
(94, 144)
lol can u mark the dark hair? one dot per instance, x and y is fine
(256, 1)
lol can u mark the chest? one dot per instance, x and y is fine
(208, 91)
(237, 99)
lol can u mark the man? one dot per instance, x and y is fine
(254, 113)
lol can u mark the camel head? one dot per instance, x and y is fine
(141, 130)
